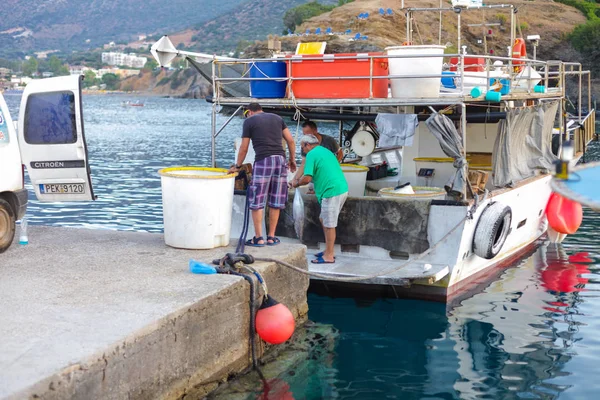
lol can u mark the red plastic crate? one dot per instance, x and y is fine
(330, 65)
(472, 64)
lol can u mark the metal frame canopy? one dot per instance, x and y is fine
(458, 11)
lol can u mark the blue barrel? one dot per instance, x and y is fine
(448, 79)
(268, 89)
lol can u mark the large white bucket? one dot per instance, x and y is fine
(415, 87)
(356, 177)
(197, 206)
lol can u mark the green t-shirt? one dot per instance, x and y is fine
(327, 175)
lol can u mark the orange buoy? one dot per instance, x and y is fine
(274, 322)
(519, 51)
(564, 215)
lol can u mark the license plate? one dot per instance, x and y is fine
(62, 188)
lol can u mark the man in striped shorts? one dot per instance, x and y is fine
(269, 175)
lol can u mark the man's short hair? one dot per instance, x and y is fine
(310, 125)
(254, 107)
(309, 139)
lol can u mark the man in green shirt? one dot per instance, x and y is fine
(323, 169)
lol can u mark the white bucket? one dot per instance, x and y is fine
(420, 193)
(197, 206)
(356, 177)
(415, 87)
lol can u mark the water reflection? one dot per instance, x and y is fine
(513, 340)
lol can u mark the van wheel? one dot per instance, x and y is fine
(7, 225)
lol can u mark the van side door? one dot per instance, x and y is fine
(52, 140)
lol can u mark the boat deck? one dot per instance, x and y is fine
(443, 99)
(351, 266)
(371, 263)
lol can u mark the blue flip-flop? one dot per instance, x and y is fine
(321, 254)
(320, 260)
(274, 239)
(254, 242)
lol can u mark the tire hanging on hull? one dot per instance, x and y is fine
(491, 230)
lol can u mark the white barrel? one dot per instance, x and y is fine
(420, 193)
(415, 87)
(356, 176)
(197, 206)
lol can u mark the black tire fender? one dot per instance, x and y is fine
(492, 229)
(7, 225)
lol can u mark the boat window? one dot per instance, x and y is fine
(50, 118)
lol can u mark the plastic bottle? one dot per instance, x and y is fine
(23, 239)
(198, 267)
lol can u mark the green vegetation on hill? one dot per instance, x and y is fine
(33, 66)
(249, 21)
(589, 8)
(68, 24)
(585, 38)
(297, 15)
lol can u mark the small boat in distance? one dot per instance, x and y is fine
(132, 104)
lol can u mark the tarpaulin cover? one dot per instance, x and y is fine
(450, 140)
(524, 144)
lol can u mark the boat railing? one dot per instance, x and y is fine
(521, 73)
(584, 132)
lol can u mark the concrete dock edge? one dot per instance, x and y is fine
(187, 341)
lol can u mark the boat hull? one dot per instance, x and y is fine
(450, 269)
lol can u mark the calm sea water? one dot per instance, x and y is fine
(534, 333)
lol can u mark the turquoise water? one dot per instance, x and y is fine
(534, 333)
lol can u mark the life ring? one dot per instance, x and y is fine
(491, 230)
(519, 51)
(407, 44)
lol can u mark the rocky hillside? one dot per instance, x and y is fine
(179, 83)
(27, 25)
(552, 21)
(249, 21)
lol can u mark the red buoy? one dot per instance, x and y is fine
(564, 215)
(276, 389)
(564, 277)
(581, 258)
(274, 322)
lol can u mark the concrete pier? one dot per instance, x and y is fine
(95, 314)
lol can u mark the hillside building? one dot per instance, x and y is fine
(128, 60)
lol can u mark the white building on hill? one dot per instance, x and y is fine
(128, 60)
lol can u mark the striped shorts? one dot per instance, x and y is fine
(269, 178)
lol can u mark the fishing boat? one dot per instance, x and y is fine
(472, 140)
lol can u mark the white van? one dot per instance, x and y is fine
(50, 143)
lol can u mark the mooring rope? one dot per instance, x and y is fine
(361, 278)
